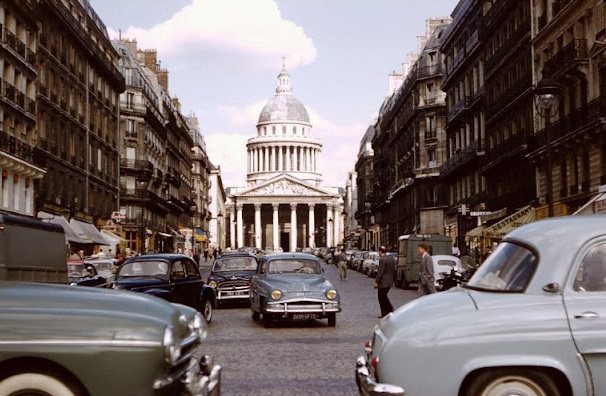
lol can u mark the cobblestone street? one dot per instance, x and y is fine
(297, 358)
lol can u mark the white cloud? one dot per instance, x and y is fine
(228, 150)
(242, 116)
(254, 29)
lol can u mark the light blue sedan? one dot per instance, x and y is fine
(531, 321)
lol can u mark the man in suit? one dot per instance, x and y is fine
(426, 278)
(384, 280)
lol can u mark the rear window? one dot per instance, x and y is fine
(508, 269)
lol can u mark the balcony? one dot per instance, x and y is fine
(462, 157)
(431, 136)
(508, 95)
(455, 110)
(457, 60)
(9, 91)
(16, 147)
(515, 143)
(428, 71)
(499, 55)
(135, 164)
(570, 56)
(559, 5)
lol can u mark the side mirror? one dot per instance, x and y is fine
(551, 287)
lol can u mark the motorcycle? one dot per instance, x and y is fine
(454, 278)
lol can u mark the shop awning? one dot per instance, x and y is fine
(596, 205)
(111, 238)
(88, 230)
(475, 233)
(499, 230)
(70, 234)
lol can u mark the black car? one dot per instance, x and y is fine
(231, 275)
(173, 277)
(80, 273)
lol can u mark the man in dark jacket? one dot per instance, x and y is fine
(384, 280)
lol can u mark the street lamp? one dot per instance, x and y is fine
(193, 230)
(546, 100)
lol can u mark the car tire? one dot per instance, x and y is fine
(36, 383)
(332, 319)
(256, 316)
(512, 381)
(207, 310)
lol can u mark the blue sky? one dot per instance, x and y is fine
(224, 55)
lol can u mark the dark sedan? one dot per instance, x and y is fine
(231, 275)
(84, 274)
(173, 277)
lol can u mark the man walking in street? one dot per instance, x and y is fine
(384, 280)
(426, 276)
(342, 264)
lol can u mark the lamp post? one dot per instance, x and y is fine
(219, 229)
(193, 229)
(546, 100)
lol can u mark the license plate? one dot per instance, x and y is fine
(304, 316)
(235, 293)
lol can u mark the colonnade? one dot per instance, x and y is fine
(278, 158)
(332, 223)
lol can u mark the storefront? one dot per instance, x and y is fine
(494, 233)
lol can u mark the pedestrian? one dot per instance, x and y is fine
(214, 253)
(426, 276)
(205, 254)
(196, 258)
(455, 250)
(384, 280)
(342, 264)
(220, 252)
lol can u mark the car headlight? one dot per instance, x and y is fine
(331, 294)
(212, 284)
(276, 295)
(172, 347)
(198, 326)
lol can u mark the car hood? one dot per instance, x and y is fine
(230, 275)
(298, 282)
(86, 312)
(427, 314)
(139, 281)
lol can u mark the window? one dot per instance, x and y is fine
(130, 128)
(591, 276)
(283, 130)
(130, 100)
(178, 272)
(192, 272)
(131, 153)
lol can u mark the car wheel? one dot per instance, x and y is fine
(207, 310)
(256, 316)
(332, 319)
(513, 382)
(36, 384)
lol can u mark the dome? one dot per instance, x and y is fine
(284, 108)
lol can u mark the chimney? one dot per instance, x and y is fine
(395, 82)
(176, 104)
(131, 45)
(162, 75)
(150, 59)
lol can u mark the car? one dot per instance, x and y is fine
(80, 273)
(231, 275)
(293, 286)
(64, 340)
(357, 260)
(371, 263)
(444, 264)
(106, 267)
(173, 277)
(531, 320)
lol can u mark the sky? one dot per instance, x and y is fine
(224, 55)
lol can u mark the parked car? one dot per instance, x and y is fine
(370, 263)
(173, 277)
(106, 267)
(532, 321)
(443, 264)
(293, 286)
(80, 273)
(57, 339)
(231, 275)
(358, 259)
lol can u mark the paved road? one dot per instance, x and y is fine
(300, 358)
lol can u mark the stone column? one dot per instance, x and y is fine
(280, 158)
(293, 227)
(258, 226)
(329, 232)
(295, 159)
(232, 228)
(273, 159)
(337, 224)
(256, 159)
(312, 226)
(288, 159)
(276, 227)
(240, 226)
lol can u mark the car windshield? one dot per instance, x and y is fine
(508, 269)
(75, 270)
(235, 264)
(144, 268)
(294, 266)
(450, 263)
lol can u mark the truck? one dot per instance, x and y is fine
(409, 260)
(32, 250)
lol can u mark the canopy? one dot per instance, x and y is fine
(475, 233)
(70, 234)
(112, 239)
(597, 204)
(88, 230)
(499, 230)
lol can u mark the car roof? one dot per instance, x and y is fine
(162, 256)
(236, 254)
(293, 255)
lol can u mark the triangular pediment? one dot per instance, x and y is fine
(285, 186)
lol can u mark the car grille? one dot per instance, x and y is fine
(235, 283)
(188, 348)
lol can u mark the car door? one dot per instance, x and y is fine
(189, 286)
(255, 299)
(178, 280)
(585, 301)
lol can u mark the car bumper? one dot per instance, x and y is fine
(201, 378)
(303, 307)
(369, 387)
(240, 294)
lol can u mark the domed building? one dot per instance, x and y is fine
(284, 206)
